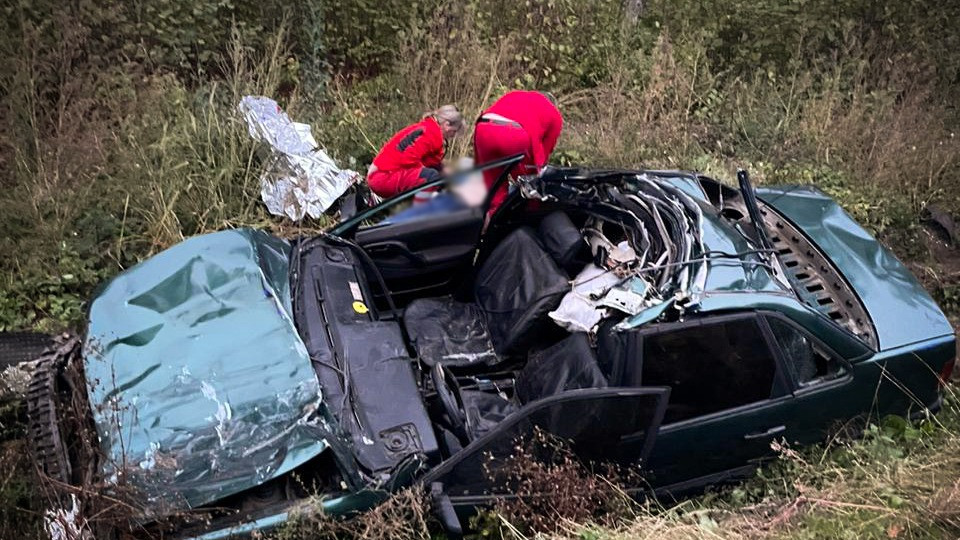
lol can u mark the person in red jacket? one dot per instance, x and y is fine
(414, 154)
(520, 122)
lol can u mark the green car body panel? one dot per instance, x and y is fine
(200, 384)
(914, 335)
(902, 311)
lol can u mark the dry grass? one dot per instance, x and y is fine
(404, 516)
(884, 486)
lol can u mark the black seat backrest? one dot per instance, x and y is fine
(567, 365)
(516, 287)
(562, 240)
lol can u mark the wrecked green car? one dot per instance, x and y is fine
(657, 320)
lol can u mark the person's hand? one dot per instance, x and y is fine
(372, 169)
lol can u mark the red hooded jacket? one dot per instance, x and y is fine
(537, 116)
(417, 145)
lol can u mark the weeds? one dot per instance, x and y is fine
(21, 507)
(404, 516)
(550, 487)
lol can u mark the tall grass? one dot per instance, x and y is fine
(124, 164)
(107, 161)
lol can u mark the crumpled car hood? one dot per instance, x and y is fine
(902, 311)
(199, 383)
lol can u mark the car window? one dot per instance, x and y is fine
(808, 363)
(710, 367)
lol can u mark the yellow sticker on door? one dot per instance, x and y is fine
(360, 307)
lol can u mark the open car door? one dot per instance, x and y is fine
(612, 425)
(423, 254)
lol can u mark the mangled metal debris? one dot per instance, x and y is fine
(299, 178)
(63, 524)
(661, 262)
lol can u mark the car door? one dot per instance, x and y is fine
(596, 425)
(795, 400)
(423, 251)
(728, 393)
(828, 390)
(417, 253)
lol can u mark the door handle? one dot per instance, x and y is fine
(765, 434)
(387, 247)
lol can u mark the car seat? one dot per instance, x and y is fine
(515, 289)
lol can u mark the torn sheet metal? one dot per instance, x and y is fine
(663, 258)
(299, 178)
(199, 382)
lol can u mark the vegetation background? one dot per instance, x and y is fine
(119, 137)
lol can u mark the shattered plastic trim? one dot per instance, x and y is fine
(199, 383)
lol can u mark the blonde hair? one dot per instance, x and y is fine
(448, 113)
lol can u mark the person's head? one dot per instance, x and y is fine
(450, 120)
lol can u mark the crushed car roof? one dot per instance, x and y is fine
(688, 256)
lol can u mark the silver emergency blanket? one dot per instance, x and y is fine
(299, 178)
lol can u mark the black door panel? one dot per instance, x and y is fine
(423, 255)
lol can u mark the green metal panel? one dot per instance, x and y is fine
(199, 383)
(901, 309)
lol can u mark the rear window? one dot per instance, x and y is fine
(807, 362)
(710, 367)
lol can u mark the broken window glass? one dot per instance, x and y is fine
(808, 363)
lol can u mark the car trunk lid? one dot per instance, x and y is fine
(901, 310)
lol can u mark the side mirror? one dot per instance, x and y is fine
(443, 509)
